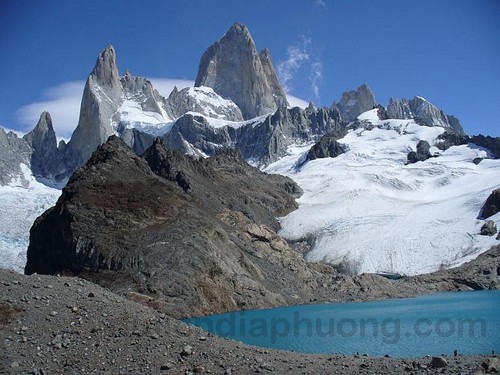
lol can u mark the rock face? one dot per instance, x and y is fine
(14, 151)
(234, 69)
(492, 204)
(355, 102)
(262, 141)
(423, 112)
(421, 154)
(327, 147)
(102, 96)
(46, 157)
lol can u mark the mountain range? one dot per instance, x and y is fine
(399, 188)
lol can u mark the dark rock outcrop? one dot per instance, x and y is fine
(490, 143)
(492, 204)
(326, 147)
(421, 154)
(489, 228)
(355, 102)
(199, 233)
(234, 69)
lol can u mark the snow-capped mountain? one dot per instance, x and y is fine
(364, 206)
(370, 210)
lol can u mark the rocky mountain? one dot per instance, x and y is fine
(355, 102)
(423, 112)
(181, 229)
(235, 70)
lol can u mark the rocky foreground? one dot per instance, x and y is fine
(55, 325)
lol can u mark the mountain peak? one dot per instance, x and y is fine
(105, 70)
(235, 70)
(355, 102)
(239, 28)
(42, 139)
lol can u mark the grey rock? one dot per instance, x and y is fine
(491, 365)
(234, 69)
(455, 124)
(438, 362)
(46, 160)
(421, 154)
(492, 204)
(102, 96)
(489, 228)
(187, 350)
(141, 90)
(423, 112)
(14, 151)
(272, 79)
(262, 141)
(355, 102)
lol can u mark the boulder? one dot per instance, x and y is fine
(489, 228)
(492, 204)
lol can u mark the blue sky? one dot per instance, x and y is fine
(447, 51)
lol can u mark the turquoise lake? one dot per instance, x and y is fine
(468, 322)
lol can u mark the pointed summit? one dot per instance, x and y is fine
(234, 69)
(102, 97)
(105, 72)
(42, 140)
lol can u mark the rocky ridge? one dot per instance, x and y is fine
(423, 112)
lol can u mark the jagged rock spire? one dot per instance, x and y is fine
(234, 69)
(101, 98)
(43, 141)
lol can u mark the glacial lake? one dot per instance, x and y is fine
(468, 322)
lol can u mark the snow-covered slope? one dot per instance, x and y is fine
(20, 205)
(368, 209)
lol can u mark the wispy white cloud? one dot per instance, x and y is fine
(63, 104)
(299, 56)
(296, 57)
(320, 4)
(316, 77)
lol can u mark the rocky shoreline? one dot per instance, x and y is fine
(54, 324)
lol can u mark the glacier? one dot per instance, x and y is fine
(370, 210)
(21, 202)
